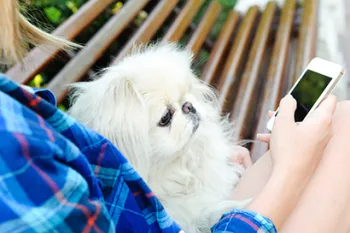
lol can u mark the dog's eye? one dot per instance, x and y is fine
(165, 119)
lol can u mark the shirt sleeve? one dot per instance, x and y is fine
(43, 93)
(60, 176)
(47, 184)
(239, 221)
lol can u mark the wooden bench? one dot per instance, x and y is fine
(253, 61)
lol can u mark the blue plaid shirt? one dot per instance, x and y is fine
(57, 175)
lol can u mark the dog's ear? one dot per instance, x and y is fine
(113, 107)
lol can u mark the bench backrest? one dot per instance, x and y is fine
(253, 61)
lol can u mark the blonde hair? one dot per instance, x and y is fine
(17, 33)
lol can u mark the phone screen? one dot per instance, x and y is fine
(307, 92)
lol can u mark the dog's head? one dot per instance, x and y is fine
(151, 105)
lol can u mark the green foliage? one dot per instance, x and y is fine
(38, 81)
(53, 14)
(62, 107)
(53, 11)
(228, 3)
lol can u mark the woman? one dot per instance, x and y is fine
(57, 175)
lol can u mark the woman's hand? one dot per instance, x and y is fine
(241, 156)
(265, 137)
(296, 149)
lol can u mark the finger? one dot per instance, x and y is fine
(325, 110)
(271, 113)
(237, 160)
(247, 161)
(285, 116)
(241, 156)
(264, 137)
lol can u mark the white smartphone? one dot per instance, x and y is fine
(314, 85)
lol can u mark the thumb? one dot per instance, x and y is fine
(326, 109)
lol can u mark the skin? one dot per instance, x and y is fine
(319, 189)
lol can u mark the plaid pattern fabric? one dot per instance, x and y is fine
(238, 221)
(58, 176)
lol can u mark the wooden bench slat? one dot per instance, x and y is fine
(204, 27)
(306, 41)
(39, 58)
(276, 72)
(223, 40)
(247, 95)
(182, 21)
(80, 64)
(149, 27)
(234, 60)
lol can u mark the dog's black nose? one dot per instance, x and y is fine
(188, 108)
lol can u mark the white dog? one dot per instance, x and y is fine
(168, 125)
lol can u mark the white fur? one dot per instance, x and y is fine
(191, 173)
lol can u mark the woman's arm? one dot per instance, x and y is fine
(295, 152)
(254, 179)
(279, 197)
(276, 194)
